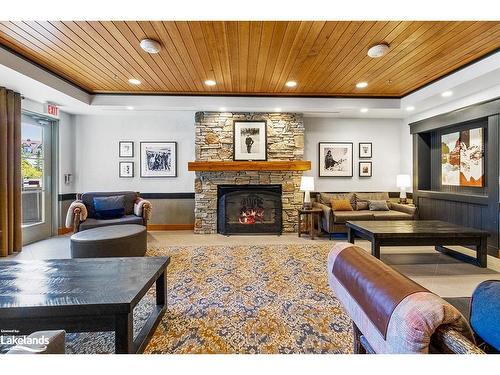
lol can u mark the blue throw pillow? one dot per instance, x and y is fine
(109, 207)
(485, 312)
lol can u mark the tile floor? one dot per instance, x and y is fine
(439, 273)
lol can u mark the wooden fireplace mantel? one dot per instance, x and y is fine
(223, 166)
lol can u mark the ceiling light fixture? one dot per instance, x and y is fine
(291, 84)
(410, 108)
(361, 85)
(447, 94)
(150, 45)
(129, 107)
(223, 109)
(277, 109)
(378, 50)
(134, 81)
(363, 110)
(210, 82)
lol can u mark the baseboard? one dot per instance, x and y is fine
(170, 227)
(61, 231)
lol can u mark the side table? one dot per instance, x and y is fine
(312, 216)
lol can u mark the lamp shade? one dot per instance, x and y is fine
(403, 181)
(307, 183)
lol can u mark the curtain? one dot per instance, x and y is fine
(10, 172)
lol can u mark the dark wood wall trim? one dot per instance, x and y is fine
(466, 198)
(72, 196)
(462, 115)
(167, 195)
(66, 197)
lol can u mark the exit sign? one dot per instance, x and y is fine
(52, 110)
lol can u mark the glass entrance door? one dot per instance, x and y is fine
(36, 167)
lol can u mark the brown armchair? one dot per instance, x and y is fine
(81, 213)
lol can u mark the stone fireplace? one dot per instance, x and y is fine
(214, 142)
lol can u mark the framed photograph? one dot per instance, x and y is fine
(365, 150)
(335, 159)
(365, 169)
(126, 149)
(126, 169)
(250, 140)
(159, 159)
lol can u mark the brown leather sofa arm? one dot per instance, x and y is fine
(447, 340)
(407, 209)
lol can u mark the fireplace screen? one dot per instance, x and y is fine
(244, 209)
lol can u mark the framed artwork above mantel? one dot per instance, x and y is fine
(249, 140)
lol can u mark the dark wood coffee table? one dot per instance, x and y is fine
(421, 233)
(82, 295)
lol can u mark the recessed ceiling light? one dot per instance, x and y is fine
(150, 45)
(134, 81)
(222, 109)
(129, 107)
(410, 108)
(210, 82)
(447, 94)
(277, 109)
(378, 50)
(291, 84)
(361, 85)
(363, 110)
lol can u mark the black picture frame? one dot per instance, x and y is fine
(359, 169)
(120, 169)
(322, 175)
(173, 143)
(359, 150)
(235, 158)
(120, 155)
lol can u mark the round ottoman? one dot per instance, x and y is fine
(127, 240)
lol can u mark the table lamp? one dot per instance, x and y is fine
(403, 182)
(307, 185)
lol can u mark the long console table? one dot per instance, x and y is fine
(82, 295)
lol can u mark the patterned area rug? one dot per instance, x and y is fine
(241, 299)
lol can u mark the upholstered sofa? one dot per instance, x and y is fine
(334, 221)
(393, 314)
(82, 213)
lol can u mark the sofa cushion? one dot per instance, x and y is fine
(341, 205)
(326, 198)
(362, 205)
(378, 196)
(391, 215)
(378, 205)
(109, 207)
(485, 312)
(344, 216)
(94, 223)
(130, 198)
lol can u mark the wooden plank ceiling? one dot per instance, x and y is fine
(252, 58)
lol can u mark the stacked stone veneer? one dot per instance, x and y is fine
(214, 142)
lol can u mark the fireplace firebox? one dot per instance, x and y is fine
(249, 209)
